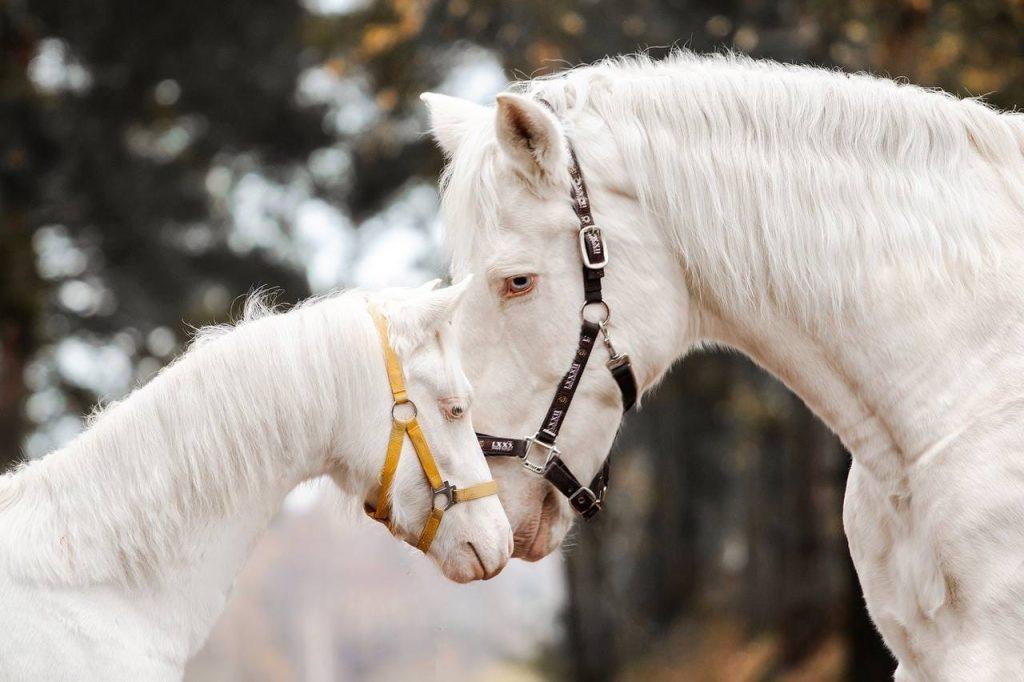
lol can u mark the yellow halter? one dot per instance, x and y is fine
(401, 427)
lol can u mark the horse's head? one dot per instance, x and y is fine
(473, 540)
(510, 222)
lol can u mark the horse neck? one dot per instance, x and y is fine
(168, 489)
(874, 280)
(904, 382)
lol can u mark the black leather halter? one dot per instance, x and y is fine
(586, 500)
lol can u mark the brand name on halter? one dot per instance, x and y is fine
(577, 188)
(500, 445)
(571, 376)
(594, 242)
(556, 419)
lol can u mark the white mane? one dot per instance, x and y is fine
(198, 436)
(778, 184)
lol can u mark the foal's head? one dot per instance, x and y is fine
(473, 540)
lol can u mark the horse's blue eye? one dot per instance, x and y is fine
(517, 285)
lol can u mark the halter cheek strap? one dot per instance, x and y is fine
(586, 500)
(400, 428)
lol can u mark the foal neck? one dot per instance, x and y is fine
(214, 441)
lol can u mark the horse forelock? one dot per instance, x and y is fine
(470, 196)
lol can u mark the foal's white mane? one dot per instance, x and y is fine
(794, 184)
(121, 495)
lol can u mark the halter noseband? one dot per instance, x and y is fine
(399, 428)
(586, 500)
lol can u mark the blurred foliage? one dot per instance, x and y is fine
(155, 159)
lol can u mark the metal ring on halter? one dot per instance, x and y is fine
(447, 491)
(607, 312)
(415, 412)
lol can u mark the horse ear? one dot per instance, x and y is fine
(450, 118)
(530, 135)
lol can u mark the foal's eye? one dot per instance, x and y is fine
(453, 409)
(518, 285)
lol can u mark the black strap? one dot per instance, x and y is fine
(592, 285)
(494, 446)
(559, 407)
(622, 372)
(580, 196)
(586, 500)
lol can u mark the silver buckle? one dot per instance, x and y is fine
(584, 499)
(530, 442)
(616, 361)
(592, 265)
(448, 491)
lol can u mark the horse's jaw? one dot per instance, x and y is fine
(539, 533)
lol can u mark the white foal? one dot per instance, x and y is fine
(862, 240)
(117, 553)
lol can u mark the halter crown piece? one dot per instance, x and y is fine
(449, 494)
(586, 500)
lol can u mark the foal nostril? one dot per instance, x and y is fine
(480, 561)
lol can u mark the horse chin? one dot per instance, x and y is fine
(544, 532)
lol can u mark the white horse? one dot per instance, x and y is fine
(117, 553)
(860, 239)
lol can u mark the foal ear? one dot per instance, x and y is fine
(438, 305)
(531, 136)
(418, 318)
(450, 119)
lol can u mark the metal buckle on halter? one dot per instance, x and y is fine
(592, 233)
(530, 442)
(448, 491)
(616, 361)
(584, 500)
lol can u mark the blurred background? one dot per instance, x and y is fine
(159, 160)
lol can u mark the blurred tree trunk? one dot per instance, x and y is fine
(592, 619)
(19, 289)
(24, 154)
(793, 576)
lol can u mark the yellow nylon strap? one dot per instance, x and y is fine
(475, 492)
(391, 362)
(387, 472)
(419, 444)
(430, 529)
